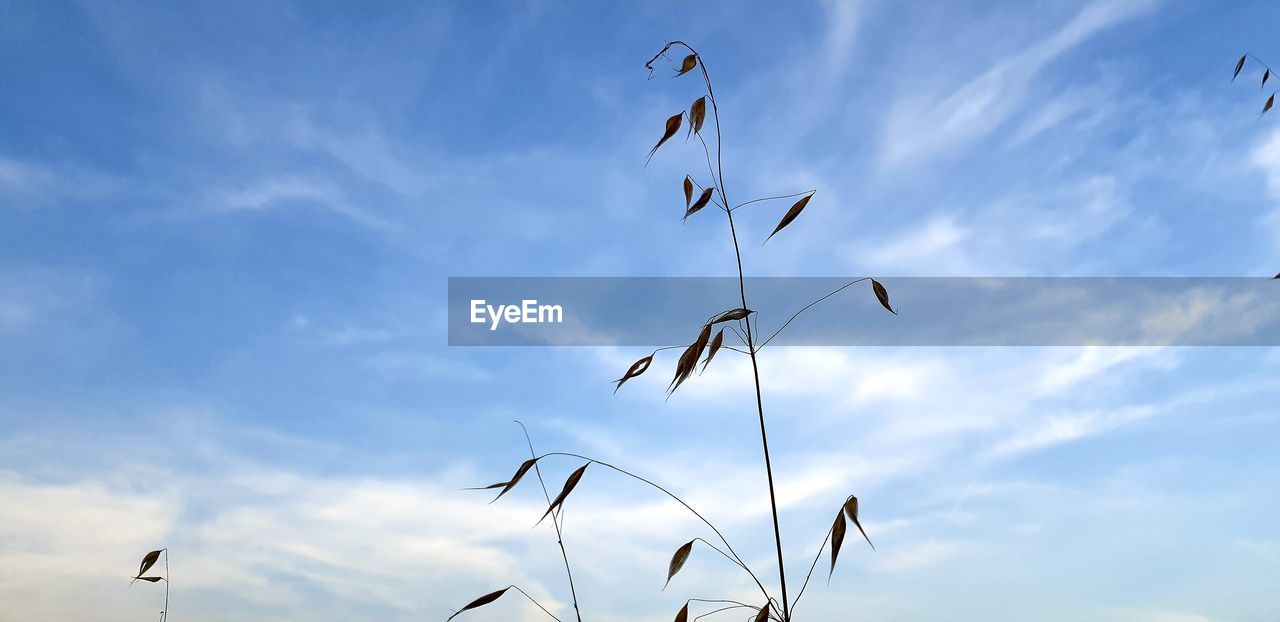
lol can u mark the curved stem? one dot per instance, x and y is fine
(733, 605)
(702, 518)
(706, 150)
(726, 555)
(554, 521)
(783, 196)
(713, 196)
(739, 334)
(773, 609)
(722, 609)
(1269, 71)
(1259, 61)
(531, 599)
(742, 291)
(717, 601)
(812, 566)
(806, 307)
(738, 350)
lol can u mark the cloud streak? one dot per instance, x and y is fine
(924, 126)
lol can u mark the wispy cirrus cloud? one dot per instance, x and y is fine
(26, 183)
(925, 125)
(285, 192)
(1022, 469)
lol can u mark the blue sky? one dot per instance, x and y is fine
(225, 233)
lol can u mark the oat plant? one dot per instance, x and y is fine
(702, 190)
(1249, 59)
(148, 561)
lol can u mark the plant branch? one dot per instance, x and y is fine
(682, 502)
(713, 196)
(738, 333)
(724, 206)
(742, 291)
(734, 605)
(806, 308)
(1259, 61)
(555, 520)
(738, 350)
(726, 555)
(718, 601)
(531, 599)
(720, 610)
(164, 615)
(812, 567)
(784, 196)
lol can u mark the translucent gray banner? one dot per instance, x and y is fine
(661, 311)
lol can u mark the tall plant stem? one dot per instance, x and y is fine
(764, 434)
(164, 615)
(555, 520)
(751, 349)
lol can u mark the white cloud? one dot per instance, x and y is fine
(1077, 109)
(843, 21)
(366, 153)
(356, 335)
(13, 313)
(912, 409)
(1132, 615)
(28, 184)
(1091, 361)
(260, 543)
(1266, 158)
(924, 125)
(1002, 235)
(66, 541)
(932, 244)
(280, 192)
(21, 178)
(32, 294)
(250, 121)
(1207, 313)
(417, 366)
(1055, 430)
(919, 556)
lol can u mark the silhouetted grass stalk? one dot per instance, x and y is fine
(772, 609)
(148, 561)
(1267, 74)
